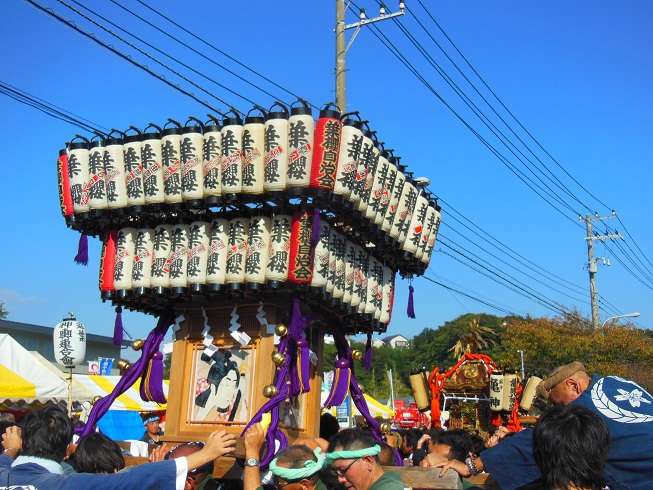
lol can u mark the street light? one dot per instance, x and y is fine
(629, 315)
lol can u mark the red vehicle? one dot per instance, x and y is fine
(408, 416)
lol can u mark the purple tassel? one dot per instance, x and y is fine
(340, 385)
(304, 365)
(82, 250)
(117, 329)
(411, 305)
(153, 379)
(367, 360)
(151, 346)
(315, 235)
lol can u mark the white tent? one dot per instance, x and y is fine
(24, 380)
(100, 386)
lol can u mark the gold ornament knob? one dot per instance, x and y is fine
(356, 355)
(281, 330)
(123, 364)
(278, 358)
(385, 428)
(138, 344)
(270, 391)
(362, 388)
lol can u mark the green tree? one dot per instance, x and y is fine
(3, 311)
(617, 350)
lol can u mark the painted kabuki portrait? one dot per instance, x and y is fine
(222, 387)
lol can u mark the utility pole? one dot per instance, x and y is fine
(593, 264)
(341, 50)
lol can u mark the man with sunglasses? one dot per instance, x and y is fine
(354, 457)
(294, 468)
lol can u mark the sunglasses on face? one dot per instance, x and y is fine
(341, 472)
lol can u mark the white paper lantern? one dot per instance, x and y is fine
(171, 158)
(509, 392)
(396, 181)
(97, 190)
(191, 149)
(388, 295)
(143, 257)
(151, 160)
(362, 171)
(125, 251)
(371, 162)
(237, 252)
(429, 225)
(179, 258)
(78, 175)
(276, 149)
(301, 132)
(258, 242)
(279, 251)
(404, 215)
(416, 226)
(350, 273)
(132, 156)
(198, 252)
(161, 258)
(253, 144)
(212, 163)
(374, 300)
(321, 261)
(336, 282)
(70, 342)
(496, 392)
(373, 212)
(217, 257)
(433, 236)
(114, 171)
(232, 157)
(351, 145)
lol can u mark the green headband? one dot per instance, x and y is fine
(310, 468)
(358, 453)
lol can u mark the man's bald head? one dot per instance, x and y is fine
(565, 384)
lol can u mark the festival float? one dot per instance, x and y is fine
(251, 238)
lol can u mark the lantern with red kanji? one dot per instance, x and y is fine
(327, 147)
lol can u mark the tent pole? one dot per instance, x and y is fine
(70, 393)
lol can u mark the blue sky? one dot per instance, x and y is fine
(577, 75)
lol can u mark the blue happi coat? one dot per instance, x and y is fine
(627, 409)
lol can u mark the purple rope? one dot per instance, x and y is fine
(82, 250)
(150, 348)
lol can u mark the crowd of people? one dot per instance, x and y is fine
(586, 441)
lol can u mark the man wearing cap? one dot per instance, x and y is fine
(624, 406)
(295, 468)
(153, 432)
(354, 456)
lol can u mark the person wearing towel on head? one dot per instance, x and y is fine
(624, 406)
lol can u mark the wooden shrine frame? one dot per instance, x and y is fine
(255, 365)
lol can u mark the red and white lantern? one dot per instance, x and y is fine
(416, 228)
(388, 286)
(336, 284)
(404, 215)
(373, 212)
(370, 160)
(351, 146)
(63, 179)
(300, 269)
(396, 181)
(350, 273)
(327, 146)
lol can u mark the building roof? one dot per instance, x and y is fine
(392, 337)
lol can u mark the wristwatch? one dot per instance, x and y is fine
(252, 462)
